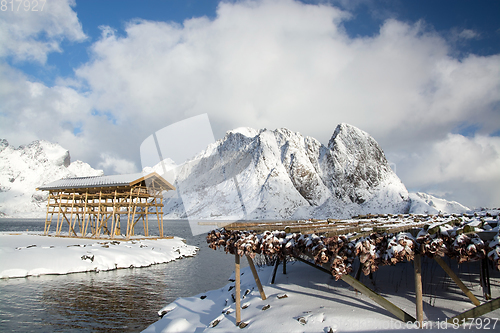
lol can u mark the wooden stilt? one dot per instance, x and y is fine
(457, 280)
(417, 266)
(47, 223)
(256, 277)
(59, 223)
(400, 314)
(485, 278)
(275, 269)
(237, 288)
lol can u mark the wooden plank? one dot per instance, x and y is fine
(417, 267)
(256, 277)
(477, 311)
(457, 280)
(400, 314)
(237, 288)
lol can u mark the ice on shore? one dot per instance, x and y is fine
(25, 254)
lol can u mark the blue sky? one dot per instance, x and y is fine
(422, 77)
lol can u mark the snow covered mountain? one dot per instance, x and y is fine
(423, 203)
(280, 174)
(248, 174)
(23, 169)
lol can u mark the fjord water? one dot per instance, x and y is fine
(125, 300)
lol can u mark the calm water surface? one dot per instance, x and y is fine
(125, 300)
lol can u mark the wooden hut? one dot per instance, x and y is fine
(95, 206)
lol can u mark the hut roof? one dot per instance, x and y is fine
(107, 181)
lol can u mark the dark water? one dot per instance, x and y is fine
(125, 300)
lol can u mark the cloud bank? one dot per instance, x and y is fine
(266, 64)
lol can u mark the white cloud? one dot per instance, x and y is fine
(116, 165)
(31, 35)
(275, 64)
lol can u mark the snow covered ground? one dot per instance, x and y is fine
(308, 300)
(31, 254)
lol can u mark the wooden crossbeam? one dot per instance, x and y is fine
(389, 306)
(477, 311)
(457, 280)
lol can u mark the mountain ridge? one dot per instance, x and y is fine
(248, 174)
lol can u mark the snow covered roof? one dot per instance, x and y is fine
(106, 181)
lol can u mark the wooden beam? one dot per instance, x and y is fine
(477, 311)
(237, 288)
(400, 314)
(275, 269)
(256, 277)
(417, 267)
(457, 280)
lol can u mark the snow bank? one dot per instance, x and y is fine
(307, 300)
(32, 254)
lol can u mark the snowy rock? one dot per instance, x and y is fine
(422, 203)
(24, 169)
(281, 174)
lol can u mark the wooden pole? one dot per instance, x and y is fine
(113, 219)
(237, 288)
(457, 280)
(477, 311)
(99, 216)
(46, 228)
(400, 314)
(417, 265)
(129, 223)
(256, 277)
(86, 215)
(59, 226)
(275, 269)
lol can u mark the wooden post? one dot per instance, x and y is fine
(86, 215)
(400, 314)
(417, 265)
(237, 287)
(477, 311)
(485, 278)
(46, 228)
(59, 226)
(129, 223)
(113, 219)
(457, 280)
(256, 277)
(275, 269)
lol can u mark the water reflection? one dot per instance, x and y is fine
(126, 300)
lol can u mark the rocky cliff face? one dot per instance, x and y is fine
(280, 174)
(25, 168)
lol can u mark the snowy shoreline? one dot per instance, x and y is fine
(24, 254)
(308, 300)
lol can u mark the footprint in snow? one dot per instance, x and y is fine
(246, 305)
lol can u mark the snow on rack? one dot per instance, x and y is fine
(377, 240)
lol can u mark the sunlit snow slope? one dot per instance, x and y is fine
(24, 169)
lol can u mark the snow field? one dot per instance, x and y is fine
(25, 254)
(307, 300)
